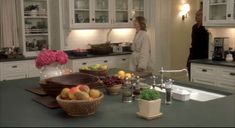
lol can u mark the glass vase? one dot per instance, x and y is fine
(51, 70)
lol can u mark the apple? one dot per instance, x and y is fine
(94, 93)
(72, 91)
(65, 93)
(84, 88)
(82, 95)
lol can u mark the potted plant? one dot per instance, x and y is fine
(149, 103)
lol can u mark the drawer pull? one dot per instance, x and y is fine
(15, 66)
(83, 63)
(232, 74)
(204, 70)
(123, 59)
(105, 61)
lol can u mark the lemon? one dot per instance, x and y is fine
(121, 73)
(128, 75)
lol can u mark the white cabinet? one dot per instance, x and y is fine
(213, 75)
(36, 26)
(18, 70)
(112, 62)
(105, 13)
(219, 13)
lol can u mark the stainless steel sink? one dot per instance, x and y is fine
(197, 95)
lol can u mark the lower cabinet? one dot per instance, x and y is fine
(121, 61)
(220, 76)
(18, 70)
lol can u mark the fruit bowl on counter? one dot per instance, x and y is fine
(100, 70)
(53, 86)
(113, 84)
(80, 100)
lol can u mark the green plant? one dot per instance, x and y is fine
(149, 94)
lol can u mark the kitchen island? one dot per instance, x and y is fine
(18, 109)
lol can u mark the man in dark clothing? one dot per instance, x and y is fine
(200, 39)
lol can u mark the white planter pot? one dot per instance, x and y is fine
(149, 108)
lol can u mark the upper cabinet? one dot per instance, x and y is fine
(105, 13)
(35, 22)
(219, 13)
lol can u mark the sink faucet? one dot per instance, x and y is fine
(171, 71)
(168, 84)
(107, 36)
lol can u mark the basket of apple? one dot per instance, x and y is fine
(96, 69)
(80, 100)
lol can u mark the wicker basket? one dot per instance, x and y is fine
(80, 107)
(100, 73)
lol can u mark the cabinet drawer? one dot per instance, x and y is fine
(31, 66)
(227, 73)
(203, 80)
(203, 70)
(13, 76)
(13, 67)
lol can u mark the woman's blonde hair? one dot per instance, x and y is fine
(142, 22)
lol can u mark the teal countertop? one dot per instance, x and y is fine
(17, 108)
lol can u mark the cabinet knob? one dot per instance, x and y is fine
(105, 61)
(204, 70)
(232, 74)
(229, 15)
(123, 59)
(131, 19)
(93, 19)
(83, 63)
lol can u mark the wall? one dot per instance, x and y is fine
(180, 39)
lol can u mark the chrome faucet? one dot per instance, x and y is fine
(107, 36)
(171, 71)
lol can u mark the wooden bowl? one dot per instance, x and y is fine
(80, 107)
(53, 86)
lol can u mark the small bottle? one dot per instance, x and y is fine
(127, 91)
(168, 87)
(136, 88)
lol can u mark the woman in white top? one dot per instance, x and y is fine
(140, 60)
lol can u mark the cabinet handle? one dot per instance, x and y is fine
(204, 70)
(105, 61)
(131, 19)
(93, 19)
(15, 66)
(83, 63)
(123, 59)
(229, 15)
(232, 74)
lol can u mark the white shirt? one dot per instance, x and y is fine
(141, 56)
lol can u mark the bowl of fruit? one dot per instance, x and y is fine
(96, 69)
(80, 100)
(113, 84)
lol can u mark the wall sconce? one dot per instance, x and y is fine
(184, 9)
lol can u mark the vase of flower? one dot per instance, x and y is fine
(50, 70)
(49, 62)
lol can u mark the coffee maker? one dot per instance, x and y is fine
(218, 48)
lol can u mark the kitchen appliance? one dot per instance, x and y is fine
(121, 47)
(218, 48)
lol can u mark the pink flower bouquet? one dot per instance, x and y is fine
(47, 57)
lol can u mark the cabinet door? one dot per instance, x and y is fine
(101, 12)
(204, 74)
(80, 12)
(138, 7)
(226, 77)
(218, 13)
(36, 26)
(233, 11)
